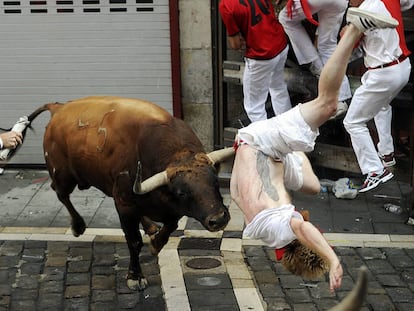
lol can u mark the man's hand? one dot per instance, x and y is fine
(11, 139)
(335, 275)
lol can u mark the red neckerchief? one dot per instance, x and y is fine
(279, 252)
(306, 10)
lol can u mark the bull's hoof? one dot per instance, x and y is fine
(139, 284)
(78, 228)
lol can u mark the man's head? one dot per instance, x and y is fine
(302, 261)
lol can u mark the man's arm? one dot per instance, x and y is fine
(310, 236)
(236, 42)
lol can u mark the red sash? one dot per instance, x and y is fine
(306, 10)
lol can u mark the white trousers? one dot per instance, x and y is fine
(372, 101)
(330, 15)
(260, 78)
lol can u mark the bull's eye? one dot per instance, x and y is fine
(181, 194)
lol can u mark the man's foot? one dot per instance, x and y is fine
(365, 20)
(387, 159)
(373, 180)
(340, 110)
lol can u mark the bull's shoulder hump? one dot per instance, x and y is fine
(126, 106)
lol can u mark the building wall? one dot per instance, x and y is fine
(196, 68)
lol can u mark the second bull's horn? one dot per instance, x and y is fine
(220, 155)
(151, 183)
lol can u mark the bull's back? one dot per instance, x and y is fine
(95, 136)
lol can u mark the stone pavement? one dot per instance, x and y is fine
(43, 267)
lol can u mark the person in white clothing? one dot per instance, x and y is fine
(10, 140)
(330, 16)
(386, 58)
(253, 26)
(270, 160)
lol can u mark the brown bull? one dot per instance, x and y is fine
(113, 143)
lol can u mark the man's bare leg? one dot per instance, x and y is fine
(319, 110)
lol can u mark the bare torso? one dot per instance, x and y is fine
(257, 182)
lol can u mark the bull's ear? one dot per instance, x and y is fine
(155, 181)
(220, 155)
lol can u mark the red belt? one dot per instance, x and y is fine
(394, 62)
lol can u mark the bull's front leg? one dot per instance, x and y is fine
(135, 278)
(159, 239)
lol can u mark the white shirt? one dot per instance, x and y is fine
(381, 46)
(1, 144)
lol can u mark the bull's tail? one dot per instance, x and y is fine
(52, 107)
(25, 123)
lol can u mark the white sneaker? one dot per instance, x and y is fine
(365, 20)
(340, 110)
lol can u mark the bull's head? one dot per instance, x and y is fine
(162, 179)
(194, 186)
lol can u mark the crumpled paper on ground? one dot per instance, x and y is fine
(344, 189)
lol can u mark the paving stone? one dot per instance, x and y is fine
(103, 306)
(128, 301)
(24, 294)
(259, 264)
(104, 270)
(326, 304)
(5, 289)
(103, 295)
(51, 287)
(11, 248)
(212, 297)
(5, 302)
(54, 273)
(27, 282)
(298, 295)
(291, 281)
(380, 266)
(77, 291)
(33, 254)
(31, 268)
(80, 254)
(271, 290)
(390, 280)
(103, 260)
(79, 266)
(22, 305)
(277, 304)
(380, 302)
(103, 282)
(213, 308)
(55, 261)
(9, 261)
(266, 277)
(76, 304)
(51, 301)
(78, 279)
(400, 294)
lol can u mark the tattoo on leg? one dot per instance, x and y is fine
(262, 165)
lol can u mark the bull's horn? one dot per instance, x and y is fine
(149, 184)
(354, 300)
(220, 155)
